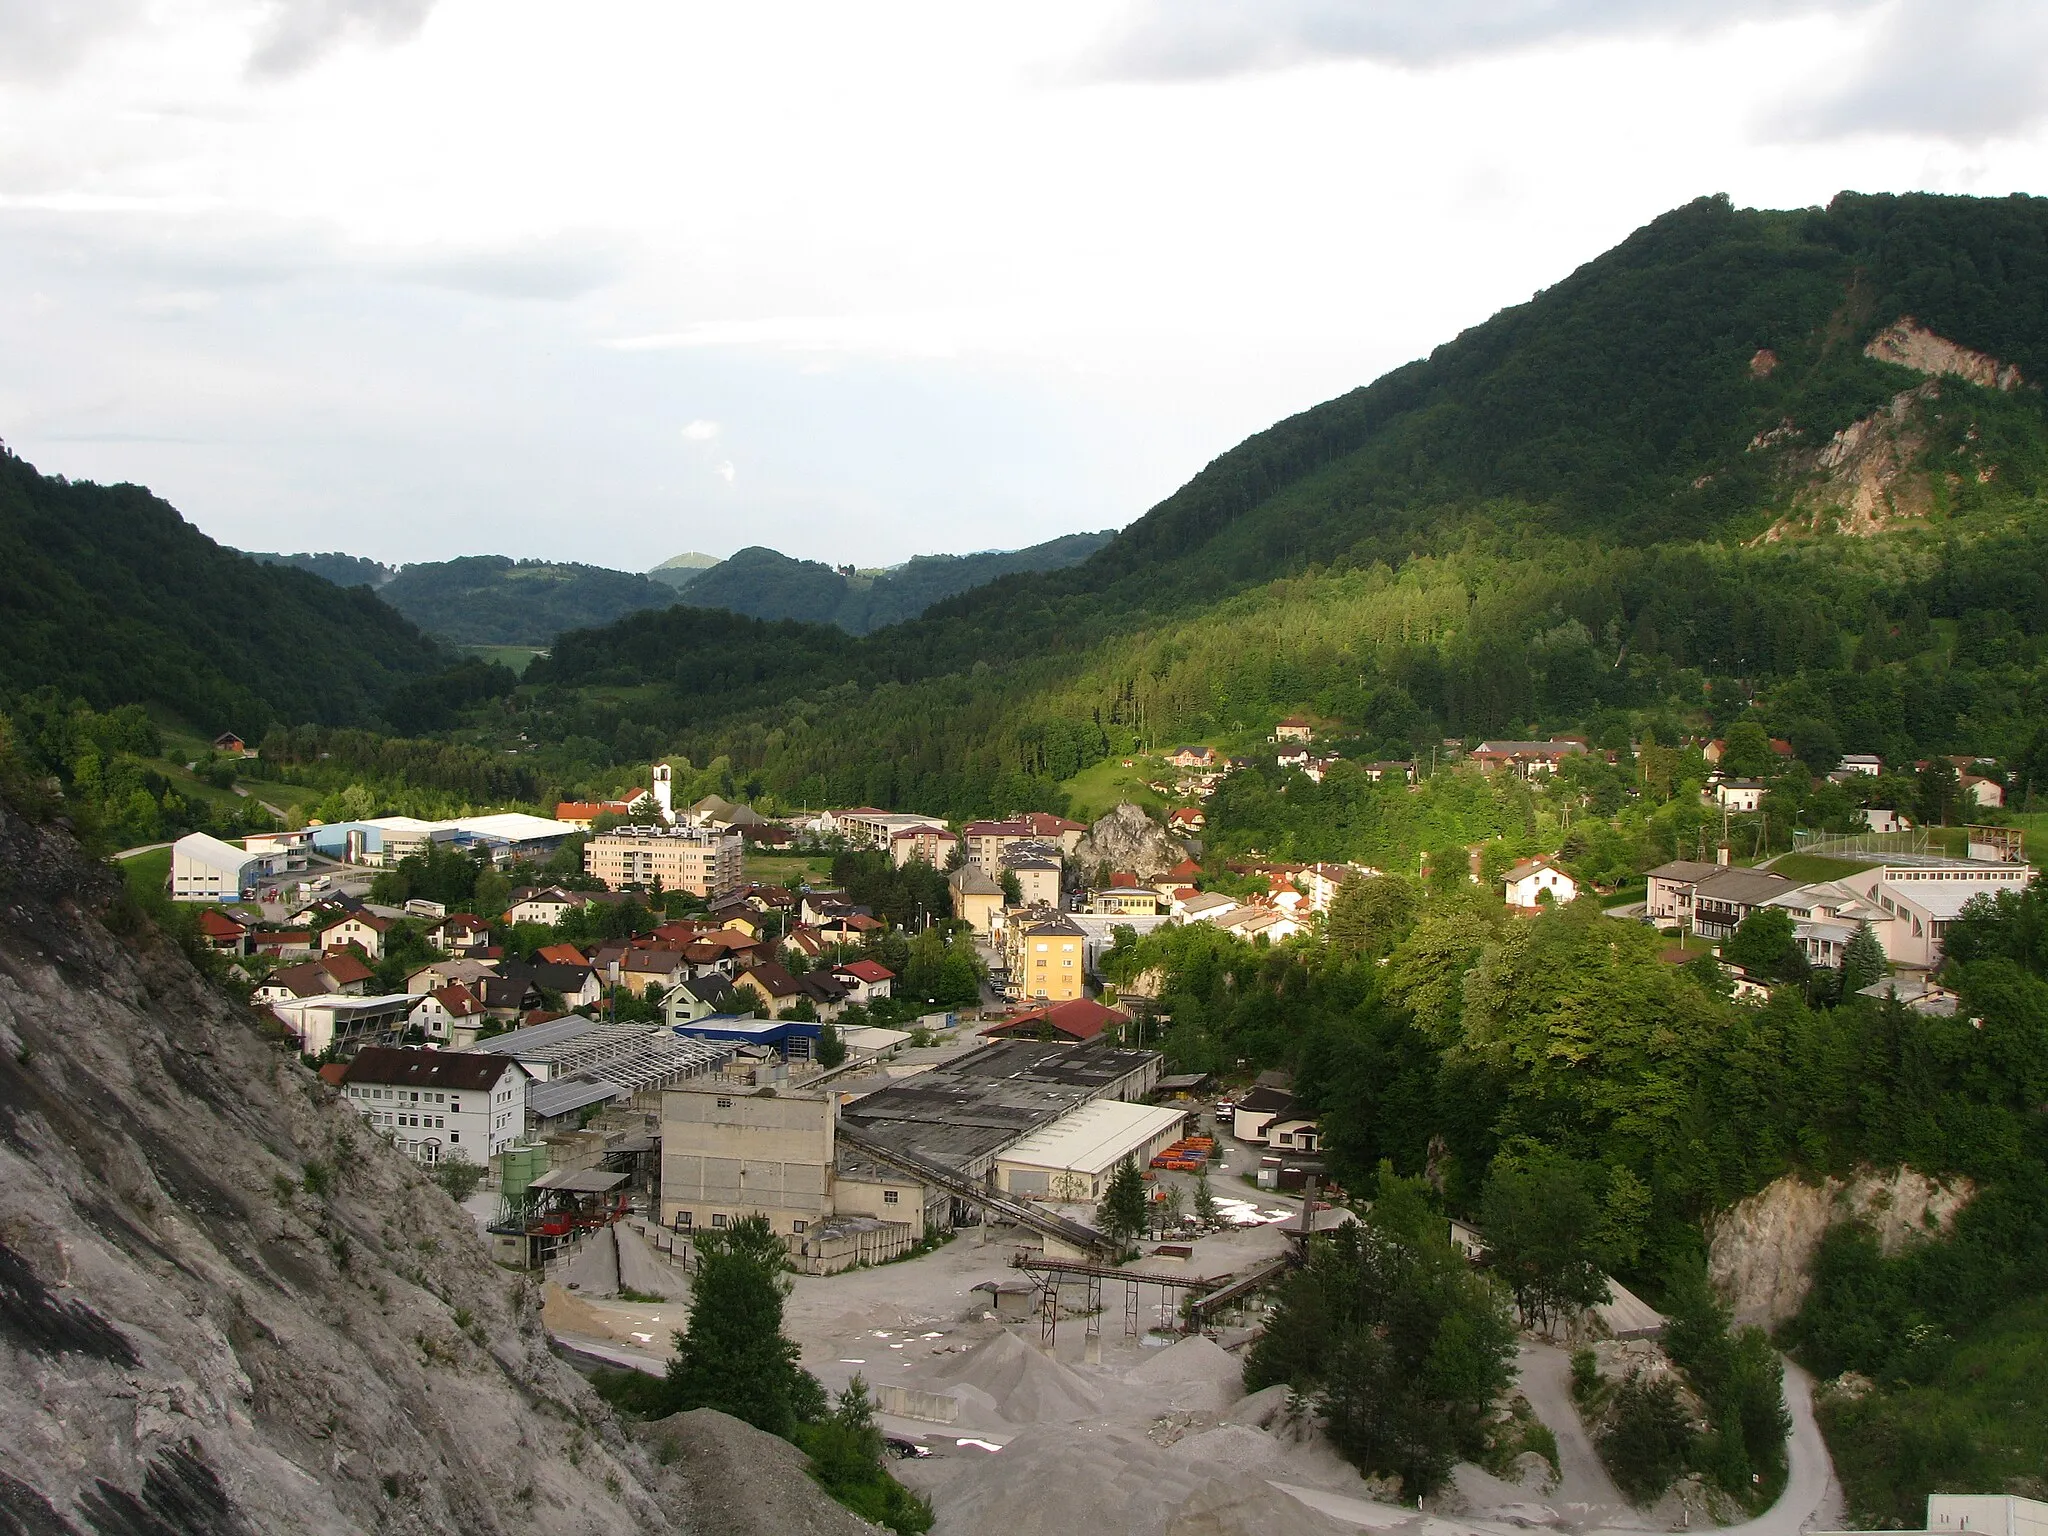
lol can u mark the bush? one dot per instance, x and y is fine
(459, 1177)
(1648, 1439)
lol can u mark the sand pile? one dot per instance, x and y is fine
(1025, 1385)
(1251, 1506)
(700, 1452)
(1233, 1448)
(1263, 1409)
(642, 1269)
(1194, 1376)
(1057, 1480)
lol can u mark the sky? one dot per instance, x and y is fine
(609, 281)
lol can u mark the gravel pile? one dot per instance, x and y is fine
(1025, 1385)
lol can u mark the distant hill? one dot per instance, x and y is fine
(342, 570)
(492, 600)
(112, 597)
(765, 584)
(680, 570)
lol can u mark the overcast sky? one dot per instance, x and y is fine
(610, 280)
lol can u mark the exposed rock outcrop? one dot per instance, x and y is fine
(1129, 839)
(1911, 345)
(1761, 1250)
(226, 1306)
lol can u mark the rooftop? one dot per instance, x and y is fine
(1095, 1137)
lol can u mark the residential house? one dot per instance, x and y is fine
(562, 954)
(338, 974)
(1669, 900)
(697, 998)
(977, 898)
(816, 904)
(1878, 819)
(1048, 958)
(1036, 866)
(440, 1106)
(1259, 1108)
(933, 845)
(578, 986)
(460, 933)
(1321, 882)
(1208, 907)
(1292, 1131)
(851, 926)
(1081, 1019)
(1868, 764)
(1529, 882)
(1740, 795)
(1825, 917)
(282, 943)
(1982, 792)
(804, 939)
(1529, 759)
(1380, 772)
(1186, 821)
(867, 981)
(1192, 757)
(449, 1016)
(644, 968)
(223, 934)
(363, 930)
(1293, 757)
(506, 998)
(1294, 728)
(1261, 921)
(828, 992)
(775, 991)
(1723, 899)
(441, 973)
(228, 744)
(544, 904)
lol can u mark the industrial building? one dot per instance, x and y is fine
(862, 1179)
(206, 869)
(505, 835)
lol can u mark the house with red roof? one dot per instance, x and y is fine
(1079, 1020)
(224, 935)
(449, 1015)
(867, 981)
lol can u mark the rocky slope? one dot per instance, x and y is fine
(225, 1307)
(1128, 839)
(1761, 1250)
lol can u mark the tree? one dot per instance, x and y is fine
(1746, 751)
(831, 1047)
(1013, 892)
(1205, 1199)
(1764, 945)
(733, 1357)
(1370, 914)
(1647, 1439)
(1542, 1228)
(1938, 791)
(1862, 961)
(802, 1011)
(1122, 1212)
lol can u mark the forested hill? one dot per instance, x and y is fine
(1558, 512)
(111, 596)
(766, 584)
(492, 600)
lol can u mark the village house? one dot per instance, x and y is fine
(1867, 764)
(1192, 757)
(1740, 795)
(338, 974)
(439, 1106)
(1723, 899)
(543, 904)
(1380, 772)
(977, 898)
(1294, 728)
(363, 930)
(1529, 882)
(441, 973)
(774, 990)
(867, 981)
(1669, 900)
(933, 845)
(1982, 792)
(1186, 820)
(644, 968)
(449, 1016)
(459, 933)
(224, 934)
(1529, 759)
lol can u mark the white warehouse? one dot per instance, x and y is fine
(206, 869)
(1073, 1158)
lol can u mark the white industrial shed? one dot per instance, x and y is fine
(206, 869)
(1073, 1158)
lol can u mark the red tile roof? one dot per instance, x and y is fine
(1080, 1019)
(458, 1000)
(869, 971)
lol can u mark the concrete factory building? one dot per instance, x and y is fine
(206, 869)
(1074, 1157)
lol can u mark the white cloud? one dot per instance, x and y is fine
(295, 33)
(700, 431)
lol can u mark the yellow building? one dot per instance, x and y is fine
(1048, 959)
(698, 860)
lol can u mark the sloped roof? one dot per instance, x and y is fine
(404, 1067)
(869, 971)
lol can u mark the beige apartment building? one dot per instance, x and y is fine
(1048, 958)
(701, 860)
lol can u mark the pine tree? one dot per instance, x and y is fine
(1862, 961)
(1122, 1213)
(734, 1357)
(1205, 1199)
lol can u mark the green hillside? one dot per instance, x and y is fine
(679, 571)
(1556, 519)
(342, 570)
(492, 600)
(113, 598)
(766, 584)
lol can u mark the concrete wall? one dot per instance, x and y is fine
(862, 1197)
(735, 1153)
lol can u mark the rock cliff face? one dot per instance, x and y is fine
(1760, 1254)
(1128, 839)
(225, 1307)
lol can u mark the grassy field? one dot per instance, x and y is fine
(1982, 1422)
(780, 869)
(1809, 867)
(516, 657)
(1095, 791)
(147, 872)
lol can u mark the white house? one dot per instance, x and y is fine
(1739, 794)
(450, 1015)
(1880, 820)
(365, 930)
(546, 905)
(867, 981)
(1527, 882)
(1866, 763)
(440, 1106)
(1983, 792)
(206, 869)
